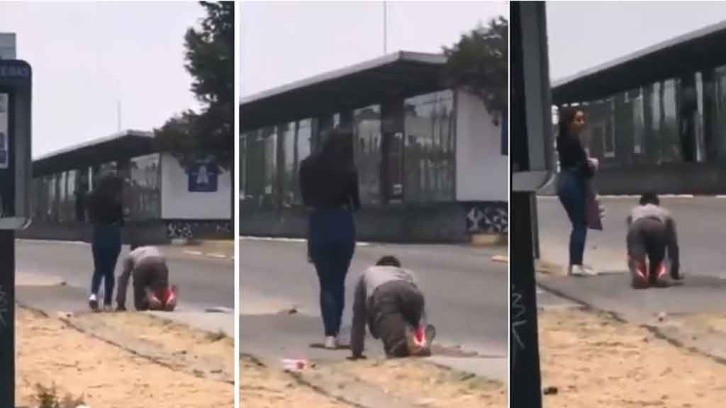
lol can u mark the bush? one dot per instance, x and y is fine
(47, 397)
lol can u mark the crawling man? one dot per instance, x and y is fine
(651, 235)
(147, 266)
(389, 301)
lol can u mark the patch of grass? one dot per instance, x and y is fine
(47, 397)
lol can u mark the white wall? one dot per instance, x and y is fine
(177, 202)
(481, 169)
(7, 46)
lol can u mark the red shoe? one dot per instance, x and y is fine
(658, 280)
(641, 276)
(171, 299)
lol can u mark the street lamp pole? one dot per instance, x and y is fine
(385, 28)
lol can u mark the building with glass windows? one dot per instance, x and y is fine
(161, 200)
(657, 118)
(432, 162)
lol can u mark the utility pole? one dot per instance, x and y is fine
(385, 28)
(118, 114)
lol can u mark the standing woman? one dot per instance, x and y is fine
(106, 214)
(576, 170)
(329, 187)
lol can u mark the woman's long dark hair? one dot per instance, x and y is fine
(336, 154)
(566, 116)
(106, 193)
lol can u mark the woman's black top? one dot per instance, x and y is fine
(573, 156)
(324, 186)
(105, 210)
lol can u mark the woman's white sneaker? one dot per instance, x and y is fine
(331, 342)
(579, 270)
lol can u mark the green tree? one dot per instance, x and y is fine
(210, 60)
(479, 64)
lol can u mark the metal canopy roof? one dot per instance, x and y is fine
(400, 74)
(124, 145)
(687, 53)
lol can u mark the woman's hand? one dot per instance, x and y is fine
(593, 163)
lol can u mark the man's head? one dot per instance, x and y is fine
(649, 198)
(389, 260)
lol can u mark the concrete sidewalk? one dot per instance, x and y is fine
(466, 297)
(274, 337)
(51, 295)
(660, 310)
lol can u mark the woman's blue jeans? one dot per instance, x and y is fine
(106, 249)
(332, 243)
(571, 190)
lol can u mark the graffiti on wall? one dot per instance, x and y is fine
(197, 229)
(483, 217)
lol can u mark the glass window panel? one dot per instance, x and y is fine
(144, 187)
(287, 133)
(367, 148)
(268, 139)
(304, 143)
(429, 157)
(719, 116)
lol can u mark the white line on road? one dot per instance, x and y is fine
(283, 239)
(52, 241)
(194, 252)
(223, 256)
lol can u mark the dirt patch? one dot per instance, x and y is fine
(269, 388)
(713, 323)
(49, 352)
(414, 382)
(428, 385)
(596, 361)
(174, 344)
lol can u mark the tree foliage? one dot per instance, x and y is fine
(210, 60)
(479, 63)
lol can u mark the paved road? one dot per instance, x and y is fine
(203, 282)
(701, 225)
(702, 235)
(466, 294)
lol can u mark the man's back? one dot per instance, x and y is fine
(376, 276)
(142, 253)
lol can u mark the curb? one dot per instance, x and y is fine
(489, 240)
(676, 339)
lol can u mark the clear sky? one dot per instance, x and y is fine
(585, 34)
(285, 42)
(85, 56)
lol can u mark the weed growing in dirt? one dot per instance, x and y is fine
(216, 336)
(47, 397)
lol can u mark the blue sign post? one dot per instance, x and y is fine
(204, 176)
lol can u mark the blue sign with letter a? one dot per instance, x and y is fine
(203, 177)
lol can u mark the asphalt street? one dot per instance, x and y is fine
(701, 236)
(466, 292)
(700, 224)
(204, 282)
